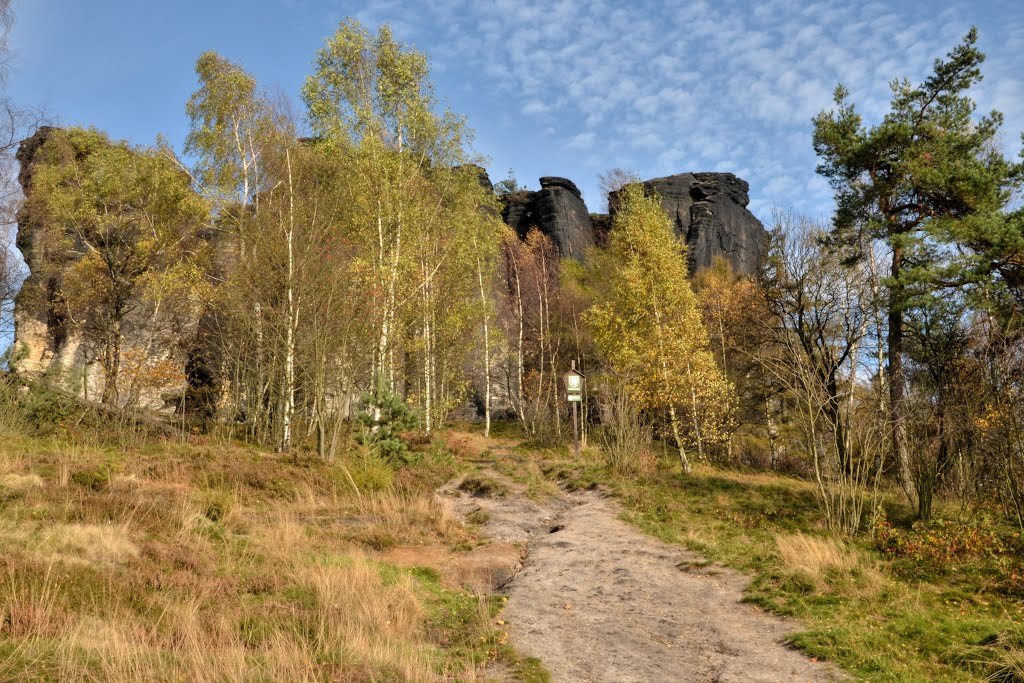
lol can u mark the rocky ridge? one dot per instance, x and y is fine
(708, 211)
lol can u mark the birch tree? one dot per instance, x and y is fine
(232, 125)
(369, 97)
(414, 219)
(647, 325)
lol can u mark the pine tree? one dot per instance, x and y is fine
(929, 176)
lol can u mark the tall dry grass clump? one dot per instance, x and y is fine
(626, 433)
(97, 544)
(373, 624)
(826, 561)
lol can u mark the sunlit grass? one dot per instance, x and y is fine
(211, 561)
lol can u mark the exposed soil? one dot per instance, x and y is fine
(597, 600)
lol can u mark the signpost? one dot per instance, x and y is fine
(574, 394)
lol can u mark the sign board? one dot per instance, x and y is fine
(574, 393)
(573, 382)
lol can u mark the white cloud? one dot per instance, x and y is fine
(581, 141)
(693, 85)
(535, 107)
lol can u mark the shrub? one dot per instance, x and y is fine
(940, 541)
(94, 479)
(483, 486)
(384, 417)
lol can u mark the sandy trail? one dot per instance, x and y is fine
(597, 600)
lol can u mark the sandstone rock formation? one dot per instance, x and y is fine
(152, 372)
(40, 331)
(709, 211)
(557, 210)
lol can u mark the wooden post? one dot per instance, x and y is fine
(574, 394)
(575, 423)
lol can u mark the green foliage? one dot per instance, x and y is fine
(93, 479)
(49, 411)
(384, 417)
(367, 470)
(930, 183)
(371, 87)
(421, 231)
(508, 185)
(232, 128)
(928, 173)
(123, 227)
(13, 355)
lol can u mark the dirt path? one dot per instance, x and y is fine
(597, 600)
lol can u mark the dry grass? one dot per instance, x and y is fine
(826, 560)
(537, 485)
(815, 555)
(172, 562)
(13, 481)
(376, 625)
(357, 628)
(95, 544)
(405, 519)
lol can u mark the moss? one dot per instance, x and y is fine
(481, 485)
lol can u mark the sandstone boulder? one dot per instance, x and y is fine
(709, 211)
(557, 210)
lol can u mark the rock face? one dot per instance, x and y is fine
(51, 346)
(557, 210)
(709, 211)
(39, 327)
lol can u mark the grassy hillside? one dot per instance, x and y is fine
(139, 557)
(134, 552)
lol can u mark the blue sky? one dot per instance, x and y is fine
(559, 88)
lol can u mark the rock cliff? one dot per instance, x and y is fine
(151, 372)
(40, 331)
(557, 210)
(709, 211)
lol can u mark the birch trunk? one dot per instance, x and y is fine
(487, 349)
(289, 373)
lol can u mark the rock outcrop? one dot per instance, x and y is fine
(709, 211)
(151, 373)
(557, 210)
(40, 330)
